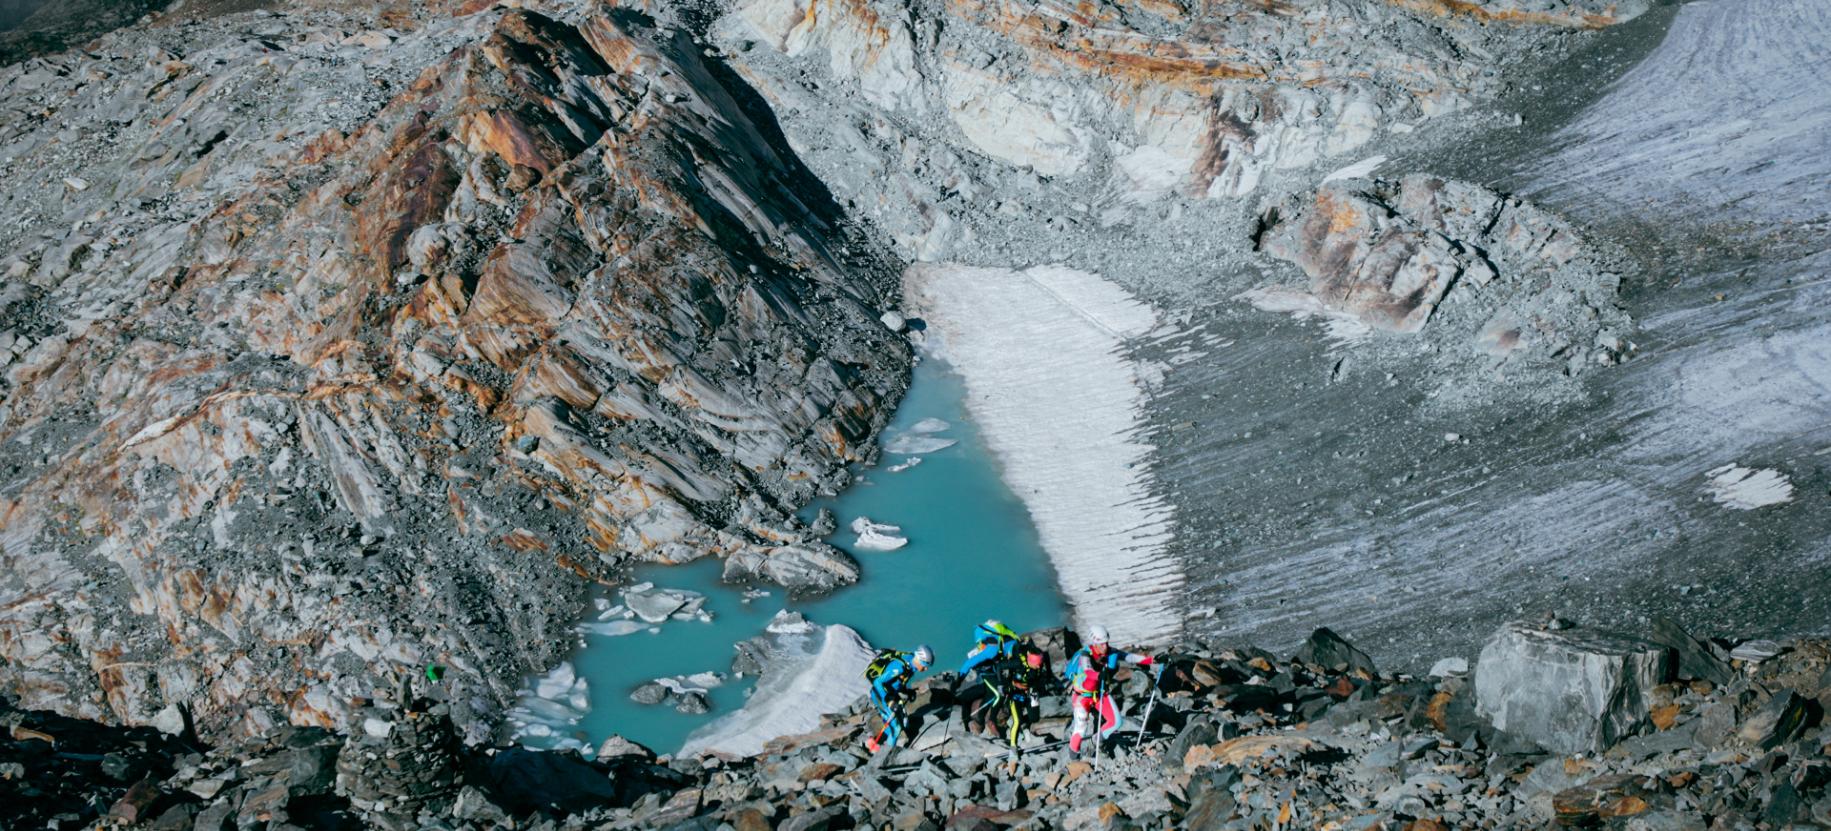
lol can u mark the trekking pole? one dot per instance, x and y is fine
(1099, 718)
(1156, 681)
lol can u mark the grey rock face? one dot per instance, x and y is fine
(1332, 652)
(1570, 691)
(1510, 280)
(351, 357)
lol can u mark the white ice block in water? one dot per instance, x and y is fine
(656, 605)
(554, 706)
(558, 683)
(915, 445)
(906, 464)
(930, 425)
(614, 628)
(873, 536)
(806, 677)
(789, 623)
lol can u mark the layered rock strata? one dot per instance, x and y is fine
(330, 349)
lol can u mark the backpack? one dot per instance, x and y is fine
(885, 657)
(1015, 673)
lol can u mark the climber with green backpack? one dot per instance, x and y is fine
(993, 644)
(889, 674)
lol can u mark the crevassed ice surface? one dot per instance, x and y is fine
(972, 553)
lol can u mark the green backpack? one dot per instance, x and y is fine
(883, 661)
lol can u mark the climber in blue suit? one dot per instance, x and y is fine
(993, 642)
(889, 675)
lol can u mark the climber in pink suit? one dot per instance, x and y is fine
(1088, 684)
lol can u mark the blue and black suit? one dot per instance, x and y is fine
(991, 649)
(887, 689)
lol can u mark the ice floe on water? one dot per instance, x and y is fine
(877, 536)
(616, 628)
(915, 445)
(551, 707)
(1745, 489)
(1060, 404)
(930, 425)
(903, 465)
(656, 605)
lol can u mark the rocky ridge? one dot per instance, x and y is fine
(332, 345)
(1236, 739)
(949, 121)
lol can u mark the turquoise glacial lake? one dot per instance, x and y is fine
(972, 554)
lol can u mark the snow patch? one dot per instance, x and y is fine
(1340, 327)
(812, 672)
(931, 425)
(1745, 489)
(1041, 352)
(1360, 169)
(1726, 116)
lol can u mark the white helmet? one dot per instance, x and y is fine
(924, 656)
(1096, 635)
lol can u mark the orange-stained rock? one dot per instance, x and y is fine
(467, 322)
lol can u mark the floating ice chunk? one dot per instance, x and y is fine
(906, 464)
(706, 680)
(557, 683)
(930, 425)
(553, 706)
(873, 536)
(657, 605)
(1745, 489)
(915, 445)
(789, 623)
(614, 628)
(618, 610)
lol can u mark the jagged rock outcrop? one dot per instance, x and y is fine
(1202, 100)
(1493, 276)
(334, 348)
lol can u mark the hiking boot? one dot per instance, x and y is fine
(1074, 744)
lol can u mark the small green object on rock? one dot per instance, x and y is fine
(434, 672)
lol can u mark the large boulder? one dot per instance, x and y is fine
(1570, 691)
(1333, 652)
